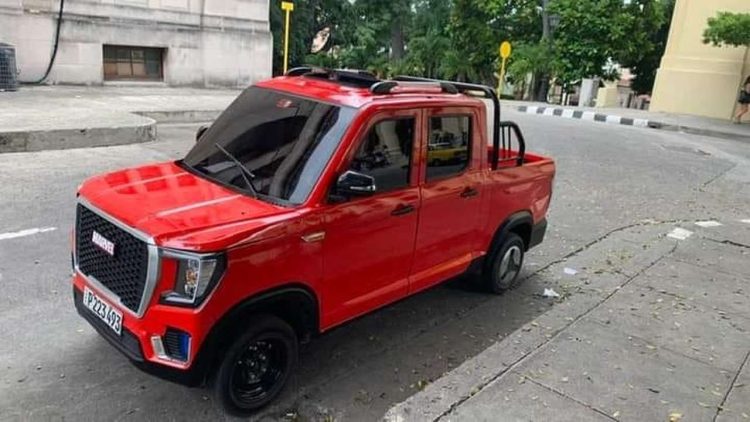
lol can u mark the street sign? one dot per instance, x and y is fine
(505, 50)
(287, 7)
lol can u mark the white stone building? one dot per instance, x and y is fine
(173, 42)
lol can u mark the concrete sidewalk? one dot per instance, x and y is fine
(652, 325)
(640, 118)
(60, 117)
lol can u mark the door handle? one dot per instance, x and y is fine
(469, 192)
(402, 209)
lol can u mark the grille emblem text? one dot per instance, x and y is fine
(105, 244)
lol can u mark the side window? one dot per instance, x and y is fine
(385, 153)
(448, 146)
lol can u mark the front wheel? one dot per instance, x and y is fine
(256, 366)
(505, 264)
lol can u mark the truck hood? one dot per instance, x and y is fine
(180, 210)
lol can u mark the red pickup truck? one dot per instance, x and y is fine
(315, 197)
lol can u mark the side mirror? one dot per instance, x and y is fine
(201, 130)
(352, 183)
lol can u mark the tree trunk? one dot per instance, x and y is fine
(397, 40)
(543, 82)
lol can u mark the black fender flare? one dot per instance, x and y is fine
(520, 218)
(211, 347)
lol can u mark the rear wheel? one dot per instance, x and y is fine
(505, 264)
(256, 366)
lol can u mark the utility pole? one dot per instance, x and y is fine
(541, 93)
(287, 7)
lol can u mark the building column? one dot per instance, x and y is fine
(696, 78)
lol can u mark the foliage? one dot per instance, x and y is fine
(459, 39)
(530, 58)
(732, 29)
(650, 34)
(308, 17)
(473, 44)
(590, 32)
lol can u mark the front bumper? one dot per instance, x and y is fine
(135, 345)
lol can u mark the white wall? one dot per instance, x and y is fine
(207, 42)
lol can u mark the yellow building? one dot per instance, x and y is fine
(696, 78)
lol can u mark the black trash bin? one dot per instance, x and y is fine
(8, 70)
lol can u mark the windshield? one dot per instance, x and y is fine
(284, 142)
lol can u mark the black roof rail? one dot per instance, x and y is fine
(358, 78)
(462, 87)
(387, 87)
(299, 71)
(472, 90)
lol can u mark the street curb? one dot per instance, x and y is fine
(584, 115)
(56, 139)
(181, 116)
(592, 116)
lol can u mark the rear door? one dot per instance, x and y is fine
(451, 189)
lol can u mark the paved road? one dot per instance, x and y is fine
(53, 366)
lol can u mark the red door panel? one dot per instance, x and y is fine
(368, 253)
(369, 242)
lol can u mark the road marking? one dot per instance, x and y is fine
(745, 221)
(27, 232)
(680, 234)
(709, 223)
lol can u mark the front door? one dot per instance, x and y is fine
(369, 240)
(450, 218)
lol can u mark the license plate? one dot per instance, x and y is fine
(106, 312)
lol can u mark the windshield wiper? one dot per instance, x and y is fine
(244, 171)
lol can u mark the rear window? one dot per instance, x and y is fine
(448, 146)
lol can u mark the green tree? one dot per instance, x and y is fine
(590, 32)
(428, 41)
(472, 55)
(529, 58)
(308, 17)
(649, 34)
(732, 29)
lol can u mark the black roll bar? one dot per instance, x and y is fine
(507, 124)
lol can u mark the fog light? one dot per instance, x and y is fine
(177, 344)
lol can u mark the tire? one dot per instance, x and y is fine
(505, 264)
(255, 368)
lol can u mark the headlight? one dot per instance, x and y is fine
(196, 277)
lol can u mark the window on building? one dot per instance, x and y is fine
(448, 146)
(385, 153)
(133, 63)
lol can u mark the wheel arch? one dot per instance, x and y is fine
(295, 303)
(520, 223)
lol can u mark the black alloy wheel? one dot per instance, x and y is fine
(256, 367)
